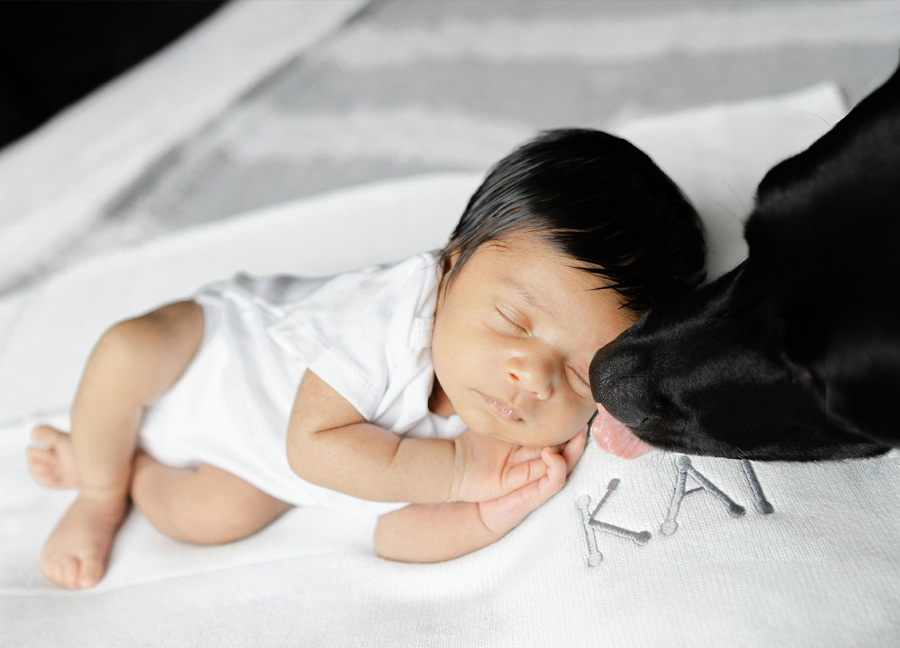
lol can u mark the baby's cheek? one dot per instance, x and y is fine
(572, 425)
(586, 409)
(582, 414)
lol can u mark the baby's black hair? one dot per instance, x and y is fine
(597, 199)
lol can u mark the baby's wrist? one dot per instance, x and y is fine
(457, 471)
(495, 527)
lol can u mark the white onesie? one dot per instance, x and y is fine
(366, 333)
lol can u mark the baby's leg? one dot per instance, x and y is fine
(203, 506)
(132, 365)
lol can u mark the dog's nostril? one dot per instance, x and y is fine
(632, 419)
(622, 408)
(625, 401)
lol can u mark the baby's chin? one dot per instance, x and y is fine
(522, 434)
(533, 441)
(539, 438)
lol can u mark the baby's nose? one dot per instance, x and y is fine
(533, 375)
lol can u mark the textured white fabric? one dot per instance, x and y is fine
(365, 332)
(712, 569)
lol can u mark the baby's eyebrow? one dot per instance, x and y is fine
(528, 295)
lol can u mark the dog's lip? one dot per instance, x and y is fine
(615, 437)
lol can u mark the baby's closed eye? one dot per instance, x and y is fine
(579, 382)
(510, 321)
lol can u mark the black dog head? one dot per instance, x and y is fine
(794, 354)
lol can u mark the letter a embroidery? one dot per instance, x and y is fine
(686, 469)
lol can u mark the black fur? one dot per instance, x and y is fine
(794, 354)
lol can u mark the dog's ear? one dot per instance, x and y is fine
(823, 242)
(869, 133)
(824, 214)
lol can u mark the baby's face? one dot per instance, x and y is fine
(514, 337)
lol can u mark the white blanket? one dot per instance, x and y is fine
(686, 551)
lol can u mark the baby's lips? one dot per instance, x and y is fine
(615, 437)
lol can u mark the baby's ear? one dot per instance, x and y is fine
(450, 262)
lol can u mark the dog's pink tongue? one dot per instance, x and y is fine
(615, 437)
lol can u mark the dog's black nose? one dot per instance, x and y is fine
(600, 372)
(620, 401)
(617, 382)
(611, 365)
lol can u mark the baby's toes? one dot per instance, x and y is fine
(73, 572)
(91, 572)
(52, 466)
(70, 572)
(44, 475)
(60, 568)
(40, 457)
(43, 467)
(53, 479)
(46, 434)
(39, 460)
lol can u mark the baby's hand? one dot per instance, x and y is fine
(485, 468)
(502, 514)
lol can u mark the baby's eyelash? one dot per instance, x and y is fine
(580, 377)
(508, 319)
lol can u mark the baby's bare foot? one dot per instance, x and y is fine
(53, 466)
(76, 553)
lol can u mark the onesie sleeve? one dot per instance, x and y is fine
(351, 331)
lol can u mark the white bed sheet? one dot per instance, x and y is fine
(792, 555)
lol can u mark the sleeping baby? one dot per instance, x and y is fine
(446, 393)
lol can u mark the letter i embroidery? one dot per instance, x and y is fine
(763, 505)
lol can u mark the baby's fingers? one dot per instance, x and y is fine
(525, 453)
(503, 513)
(574, 449)
(524, 473)
(557, 470)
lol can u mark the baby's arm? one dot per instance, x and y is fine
(436, 532)
(432, 532)
(330, 444)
